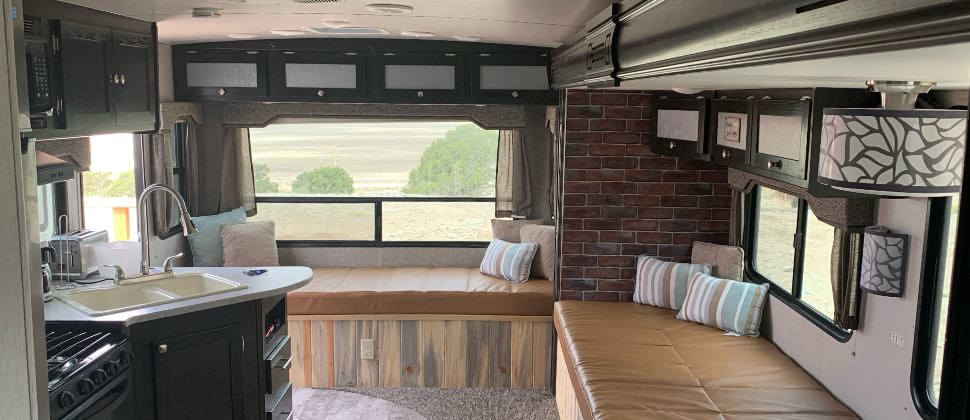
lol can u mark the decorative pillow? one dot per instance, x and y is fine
(730, 305)
(249, 244)
(207, 243)
(544, 264)
(663, 283)
(508, 260)
(727, 261)
(508, 229)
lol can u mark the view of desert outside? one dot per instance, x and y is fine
(951, 238)
(775, 256)
(376, 159)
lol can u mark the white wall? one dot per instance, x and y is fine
(166, 85)
(868, 373)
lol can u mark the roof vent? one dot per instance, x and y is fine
(206, 12)
(317, 1)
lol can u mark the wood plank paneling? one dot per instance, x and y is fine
(522, 370)
(476, 369)
(320, 354)
(499, 354)
(542, 356)
(566, 402)
(411, 370)
(344, 355)
(368, 371)
(456, 340)
(302, 364)
(389, 354)
(432, 352)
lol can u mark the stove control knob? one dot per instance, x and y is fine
(99, 376)
(112, 367)
(66, 399)
(124, 358)
(86, 386)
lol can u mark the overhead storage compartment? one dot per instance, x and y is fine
(589, 59)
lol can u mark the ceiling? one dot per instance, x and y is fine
(544, 23)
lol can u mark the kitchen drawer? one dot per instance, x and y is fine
(781, 132)
(281, 407)
(278, 366)
(731, 131)
(682, 128)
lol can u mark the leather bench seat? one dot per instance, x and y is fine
(418, 290)
(632, 361)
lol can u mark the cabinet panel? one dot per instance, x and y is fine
(682, 128)
(200, 376)
(517, 77)
(86, 79)
(731, 131)
(229, 75)
(134, 94)
(318, 76)
(424, 76)
(781, 136)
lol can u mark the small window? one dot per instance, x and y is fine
(793, 250)
(376, 181)
(46, 211)
(108, 189)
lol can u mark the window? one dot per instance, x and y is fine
(46, 211)
(179, 139)
(108, 189)
(376, 182)
(793, 250)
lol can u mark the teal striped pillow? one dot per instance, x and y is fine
(730, 305)
(663, 283)
(507, 260)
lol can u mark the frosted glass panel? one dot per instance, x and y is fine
(513, 77)
(677, 124)
(780, 136)
(335, 76)
(237, 75)
(419, 77)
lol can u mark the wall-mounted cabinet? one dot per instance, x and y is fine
(731, 123)
(682, 126)
(318, 76)
(220, 74)
(781, 135)
(511, 76)
(421, 76)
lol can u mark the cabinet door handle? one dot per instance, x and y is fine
(111, 79)
(672, 145)
(122, 79)
(774, 164)
(162, 348)
(285, 365)
(726, 154)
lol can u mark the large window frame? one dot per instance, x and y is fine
(791, 299)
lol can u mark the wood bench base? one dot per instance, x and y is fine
(422, 351)
(566, 401)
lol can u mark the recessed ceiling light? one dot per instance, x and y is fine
(335, 23)
(349, 31)
(287, 32)
(389, 8)
(242, 35)
(468, 38)
(418, 34)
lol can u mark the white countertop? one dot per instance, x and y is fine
(276, 281)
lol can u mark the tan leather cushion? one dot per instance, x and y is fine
(727, 261)
(637, 361)
(544, 263)
(249, 244)
(417, 290)
(508, 229)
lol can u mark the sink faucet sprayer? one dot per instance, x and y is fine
(188, 227)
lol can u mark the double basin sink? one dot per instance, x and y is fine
(141, 293)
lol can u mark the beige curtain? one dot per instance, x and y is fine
(192, 170)
(845, 278)
(508, 141)
(525, 172)
(159, 171)
(238, 187)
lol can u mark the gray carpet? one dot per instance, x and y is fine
(421, 404)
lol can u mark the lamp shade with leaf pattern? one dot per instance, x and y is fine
(893, 152)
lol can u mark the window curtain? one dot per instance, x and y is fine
(159, 171)
(524, 172)
(219, 174)
(845, 278)
(238, 186)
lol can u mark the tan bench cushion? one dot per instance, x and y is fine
(638, 361)
(418, 290)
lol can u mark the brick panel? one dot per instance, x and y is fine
(622, 200)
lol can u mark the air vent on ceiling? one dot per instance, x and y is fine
(318, 1)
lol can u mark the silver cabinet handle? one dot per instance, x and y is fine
(774, 164)
(221, 92)
(726, 154)
(122, 79)
(321, 92)
(672, 145)
(285, 365)
(420, 94)
(162, 348)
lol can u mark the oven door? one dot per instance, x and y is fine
(108, 404)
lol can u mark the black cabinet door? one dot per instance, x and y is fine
(420, 77)
(223, 75)
(781, 129)
(682, 128)
(133, 95)
(83, 57)
(201, 376)
(731, 131)
(318, 76)
(511, 78)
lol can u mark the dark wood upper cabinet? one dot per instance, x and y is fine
(312, 76)
(781, 133)
(135, 93)
(220, 75)
(682, 126)
(83, 57)
(511, 76)
(427, 77)
(731, 132)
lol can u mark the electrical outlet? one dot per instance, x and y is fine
(896, 338)
(367, 349)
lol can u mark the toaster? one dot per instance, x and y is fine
(75, 253)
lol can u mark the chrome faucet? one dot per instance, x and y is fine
(188, 227)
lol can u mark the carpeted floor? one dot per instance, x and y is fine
(421, 404)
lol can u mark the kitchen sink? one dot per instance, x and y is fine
(138, 293)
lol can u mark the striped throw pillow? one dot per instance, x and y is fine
(507, 260)
(730, 305)
(663, 283)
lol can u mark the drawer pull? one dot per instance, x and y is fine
(726, 154)
(774, 164)
(285, 365)
(672, 145)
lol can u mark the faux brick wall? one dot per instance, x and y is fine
(621, 200)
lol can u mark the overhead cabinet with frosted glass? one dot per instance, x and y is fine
(682, 127)
(220, 75)
(421, 77)
(511, 77)
(313, 76)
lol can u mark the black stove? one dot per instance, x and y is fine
(86, 371)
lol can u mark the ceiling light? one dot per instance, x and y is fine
(389, 8)
(349, 31)
(335, 23)
(468, 38)
(242, 35)
(418, 34)
(287, 32)
(206, 12)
